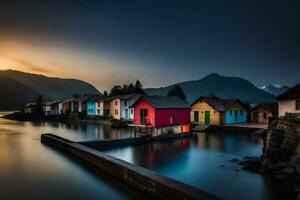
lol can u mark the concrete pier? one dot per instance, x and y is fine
(154, 184)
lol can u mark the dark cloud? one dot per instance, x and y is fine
(248, 38)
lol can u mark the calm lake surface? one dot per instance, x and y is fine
(203, 162)
(31, 170)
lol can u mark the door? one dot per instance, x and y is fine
(207, 117)
(255, 117)
(143, 116)
(196, 116)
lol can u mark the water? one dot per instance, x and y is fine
(203, 162)
(31, 170)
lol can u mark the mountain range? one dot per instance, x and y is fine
(221, 86)
(275, 89)
(18, 88)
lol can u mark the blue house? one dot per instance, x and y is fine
(92, 106)
(235, 111)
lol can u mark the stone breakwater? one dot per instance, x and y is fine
(154, 184)
(281, 156)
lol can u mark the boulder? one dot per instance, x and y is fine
(297, 189)
(295, 160)
(234, 160)
(279, 165)
(298, 169)
(288, 170)
(281, 176)
(267, 163)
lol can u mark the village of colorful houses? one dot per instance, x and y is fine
(162, 115)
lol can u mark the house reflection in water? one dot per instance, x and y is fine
(223, 142)
(158, 153)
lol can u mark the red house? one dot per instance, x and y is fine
(162, 114)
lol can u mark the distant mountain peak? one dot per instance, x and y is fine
(275, 89)
(212, 76)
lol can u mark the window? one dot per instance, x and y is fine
(230, 112)
(125, 103)
(298, 104)
(116, 103)
(241, 112)
(131, 111)
(116, 111)
(265, 116)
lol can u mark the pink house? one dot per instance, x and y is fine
(164, 114)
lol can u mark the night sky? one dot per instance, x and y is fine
(158, 42)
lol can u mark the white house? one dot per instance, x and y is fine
(126, 101)
(52, 108)
(289, 101)
(29, 108)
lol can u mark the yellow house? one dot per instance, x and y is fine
(214, 110)
(207, 110)
(115, 108)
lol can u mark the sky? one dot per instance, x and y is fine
(154, 41)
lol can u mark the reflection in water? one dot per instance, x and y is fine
(75, 131)
(31, 170)
(203, 161)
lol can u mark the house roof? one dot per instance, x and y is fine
(30, 104)
(102, 98)
(164, 102)
(130, 96)
(133, 97)
(50, 103)
(217, 103)
(83, 98)
(272, 107)
(67, 101)
(293, 93)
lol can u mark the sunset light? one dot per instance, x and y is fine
(149, 99)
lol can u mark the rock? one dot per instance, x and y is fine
(298, 197)
(267, 163)
(298, 169)
(247, 157)
(234, 160)
(279, 165)
(297, 189)
(297, 178)
(288, 170)
(281, 176)
(295, 160)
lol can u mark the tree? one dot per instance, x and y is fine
(177, 91)
(139, 87)
(131, 88)
(105, 93)
(39, 105)
(116, 90)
